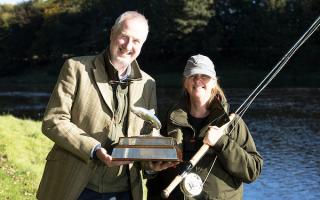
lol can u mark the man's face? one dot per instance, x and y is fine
(126, 42)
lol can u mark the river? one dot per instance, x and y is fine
(285, 124)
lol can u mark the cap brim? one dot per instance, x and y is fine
(198, 71)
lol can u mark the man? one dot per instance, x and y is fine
(87, 113)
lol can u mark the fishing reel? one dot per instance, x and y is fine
(191, 185)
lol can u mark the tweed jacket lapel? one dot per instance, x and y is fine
(102, 81)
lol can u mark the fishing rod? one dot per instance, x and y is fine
(278, 67)
(240, 111)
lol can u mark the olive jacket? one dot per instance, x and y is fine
(79, 116)
(237, 160)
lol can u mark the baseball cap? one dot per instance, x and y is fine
(199, 64)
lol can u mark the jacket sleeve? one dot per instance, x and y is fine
(57, 124)
(238, 154)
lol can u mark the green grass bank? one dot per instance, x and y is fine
(23, 149)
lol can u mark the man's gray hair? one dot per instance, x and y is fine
(130, 15)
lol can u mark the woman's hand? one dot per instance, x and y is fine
(107, 159)
(214, 133)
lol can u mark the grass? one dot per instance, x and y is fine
(23, 149)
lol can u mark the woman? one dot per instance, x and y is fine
(231, 159)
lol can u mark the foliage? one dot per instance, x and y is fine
(22, 155)
(39, 35)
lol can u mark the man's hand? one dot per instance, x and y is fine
(161, 165)
(107, 159)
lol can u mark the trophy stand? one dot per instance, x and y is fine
(147, 147)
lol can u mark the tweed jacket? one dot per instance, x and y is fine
(79, 116)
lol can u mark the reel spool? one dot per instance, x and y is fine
(191, 185)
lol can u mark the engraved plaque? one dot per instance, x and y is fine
(148, 148)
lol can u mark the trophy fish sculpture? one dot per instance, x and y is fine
(148, 116)
(151, 147)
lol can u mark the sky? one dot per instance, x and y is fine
(11, 1)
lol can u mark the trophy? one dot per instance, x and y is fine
(152, 147)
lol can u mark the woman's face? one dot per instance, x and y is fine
(199, 87)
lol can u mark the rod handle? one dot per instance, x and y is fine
(200, 153)
(166, 192)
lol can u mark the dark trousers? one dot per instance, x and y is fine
(88, 194)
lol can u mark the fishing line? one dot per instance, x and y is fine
(274, 72)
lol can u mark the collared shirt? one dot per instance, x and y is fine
(126, 75)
